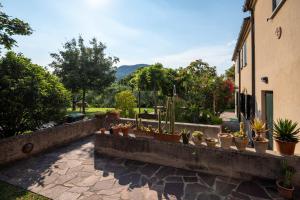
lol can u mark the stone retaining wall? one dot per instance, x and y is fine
(12, 148)
(218, 161)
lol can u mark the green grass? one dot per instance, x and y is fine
(91, 111)
(11, 192)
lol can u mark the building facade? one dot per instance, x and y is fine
(267, 60)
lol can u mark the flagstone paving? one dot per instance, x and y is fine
(74, 172)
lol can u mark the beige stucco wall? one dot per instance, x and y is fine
(246, 72)
(279, 59)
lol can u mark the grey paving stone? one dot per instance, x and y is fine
(164, 172)
(183, 172)
(208, 196)
(174, 189)
(190, 179)
(175, 179)
(207, 178)
(192, 189)
(252, 189)
(223, 188)
(149, 169)
(239, 196)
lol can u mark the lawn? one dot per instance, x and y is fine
(11, 192)
(91, 111)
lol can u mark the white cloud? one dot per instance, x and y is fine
(98, 3)
(218, 55)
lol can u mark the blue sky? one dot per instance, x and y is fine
(173, 32)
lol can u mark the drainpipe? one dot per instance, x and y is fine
(253, 62)
(239, 93)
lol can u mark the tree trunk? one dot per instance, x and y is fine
(73, 103)
(155, 101)
(83, 101)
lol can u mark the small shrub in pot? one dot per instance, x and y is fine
(284, 184)
(260, 142)
(240, 138)
(211, 142)
(285, 135)
(225, 139)
(197, 137)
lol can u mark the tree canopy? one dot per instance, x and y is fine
(29, 96)
(83, 68)
(9, 27)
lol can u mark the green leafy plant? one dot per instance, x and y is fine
(241, 133)
(286, 130)
(287, 174)
(29, 96)
(198, 134)
(126, 102)
(259, 127)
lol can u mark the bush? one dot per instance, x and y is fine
(29, 96)
(126, 102)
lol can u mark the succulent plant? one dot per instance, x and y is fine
(286, 130)
(198, 134)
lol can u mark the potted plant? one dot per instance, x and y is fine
(260, 142)
(125, 128)
(169, 134)
(102, 130)
(285, 135)
(197, 137)
(225, 139)
(211, 142)
(284, 185)
(116, 129)
(240, 138)
(185, 135)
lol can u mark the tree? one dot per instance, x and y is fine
(29, 96)
(9, 27)
(150, 78)
(230, 73)
(126, 102)
(83, 68)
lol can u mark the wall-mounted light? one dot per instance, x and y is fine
(265, 79)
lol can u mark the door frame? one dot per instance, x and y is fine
(264, 115)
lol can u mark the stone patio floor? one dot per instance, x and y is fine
(74, 172)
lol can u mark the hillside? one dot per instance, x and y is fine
(125, 70)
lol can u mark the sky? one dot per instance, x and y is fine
(172, 32)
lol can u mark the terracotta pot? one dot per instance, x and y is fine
(285, 148)
(284, 192)
(225, 140)
(241, 143)
(261, 146)
(211, 144)
(116, 131)
(168, 137)
(196, 140)
(143, 133)
(125, 131)
(102, 130)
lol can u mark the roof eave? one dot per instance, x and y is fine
(241, 34)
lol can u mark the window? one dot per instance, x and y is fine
(276, 3)
(244, 54)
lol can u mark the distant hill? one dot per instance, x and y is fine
(125, 70)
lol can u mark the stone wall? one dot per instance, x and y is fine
(218, 161)
(13, 148)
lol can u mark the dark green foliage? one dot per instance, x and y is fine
(126, 70)
(11, 192)
(286, 130)
(29, 96)
(83, 68)
(9, 27)
(287, 173)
